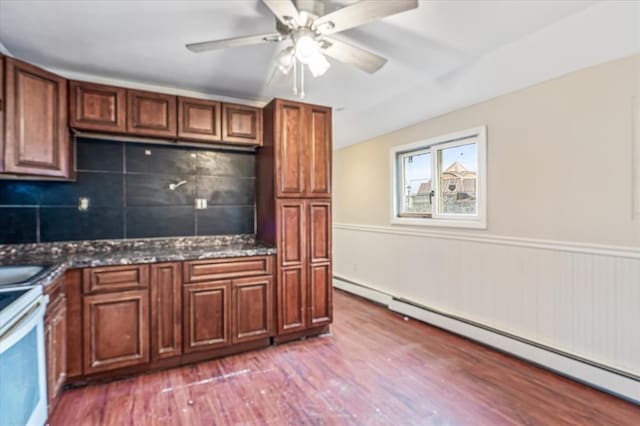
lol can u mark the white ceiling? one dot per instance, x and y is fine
(442, 56)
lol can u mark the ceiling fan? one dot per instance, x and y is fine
(308, 28)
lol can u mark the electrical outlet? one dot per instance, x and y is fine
(201, 203)
(83, 204)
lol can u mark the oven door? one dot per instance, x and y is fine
(23, 391)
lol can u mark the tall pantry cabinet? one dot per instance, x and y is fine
(294, 212)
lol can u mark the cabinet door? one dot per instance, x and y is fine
(116, 330)
(318, 146)
(166, 310)
(199, 119)
(320, 275)
(151, 114)
(241, 124)
(252, 309)
(289, 150)
(206, 315)
(56, 349)
(97, 107)
(291, 287)
(36, 133)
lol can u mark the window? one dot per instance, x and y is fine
(441, 181)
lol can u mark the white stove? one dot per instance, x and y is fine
(23, 388)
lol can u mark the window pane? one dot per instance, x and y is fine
(415, 192)
(457, 174)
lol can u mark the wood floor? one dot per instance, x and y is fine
(374, 369)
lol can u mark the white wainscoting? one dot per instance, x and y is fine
(583, 300)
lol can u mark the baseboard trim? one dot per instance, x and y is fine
(620, 383)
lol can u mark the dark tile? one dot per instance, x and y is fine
(226, 220)
(18, 225)
(223, 163)
(226, 190)
(153, 190)
(15, 192)
(167, 221)
(70, 224)
(95, 154)
(103, 190)
(161, 159)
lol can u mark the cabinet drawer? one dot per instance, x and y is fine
(207, 270)
(115, 278)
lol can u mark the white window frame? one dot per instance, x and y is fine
(476, 135)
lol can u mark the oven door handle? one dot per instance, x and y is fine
(17, 330)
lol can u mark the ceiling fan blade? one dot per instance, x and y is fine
(284, 10)
(361, 13)
(356, 56)
(233, 42)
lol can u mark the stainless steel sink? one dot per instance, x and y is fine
(21, 274)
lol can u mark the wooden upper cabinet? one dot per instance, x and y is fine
(97, 107)
(318, 155)
(289, 150)
(199, 120)
(301, 138)
(36, 134)
(241, 124)
(151, 114)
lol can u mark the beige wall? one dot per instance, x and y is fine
(559, 160)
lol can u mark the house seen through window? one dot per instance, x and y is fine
(441, 179)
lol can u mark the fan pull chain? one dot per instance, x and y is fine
(295, 77)
(301, 81)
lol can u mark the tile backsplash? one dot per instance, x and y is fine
(127, 185)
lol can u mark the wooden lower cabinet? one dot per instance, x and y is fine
(116, 330)
(252, 309)
(55, 331)
(304, 288)
(166, 310)
(206, 315)
(292, 300)
(320, 295)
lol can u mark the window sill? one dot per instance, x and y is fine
(440, 223)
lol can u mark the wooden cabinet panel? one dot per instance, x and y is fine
(73, 293)
(319, 231)
(252, 309)
(115, 278)
(291, 232)
(318, 156)
(206, 315)
(292, 300)
(116, 330)
(36, 134)
(166, 310)
(55, 324)
(290, 150)
(199, 119)
(151, 114)
(97, 107)
(241, 124)
(217, 269)
(320, 295)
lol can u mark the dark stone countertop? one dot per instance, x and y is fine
(82, 254)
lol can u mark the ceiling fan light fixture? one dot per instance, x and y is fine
(318, 65)
(306, 47)
(285, 60)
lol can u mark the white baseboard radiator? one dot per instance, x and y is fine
(623, 384)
